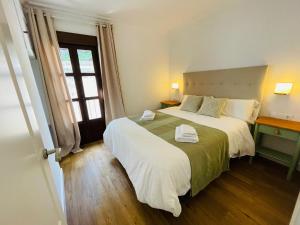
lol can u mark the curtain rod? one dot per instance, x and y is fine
(68, 15)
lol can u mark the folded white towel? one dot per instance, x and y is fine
(187, 131)
(147, 118)
(148, 115)
(180, 138)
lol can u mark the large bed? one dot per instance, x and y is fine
(160, 171)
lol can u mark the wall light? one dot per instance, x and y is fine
(283, 88)
(175, 95)
(175, 86)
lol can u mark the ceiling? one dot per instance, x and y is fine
(165, 14)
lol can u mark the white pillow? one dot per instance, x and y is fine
(243, 109)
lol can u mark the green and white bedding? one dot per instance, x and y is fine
(205, 165)
(161, 169)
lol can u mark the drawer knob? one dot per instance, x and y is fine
(277, 131)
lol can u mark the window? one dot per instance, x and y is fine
(93, 109)
(89, 86)
(77, 111)
(85, 61)
(85, 78)
(66, 60)
(72, 87)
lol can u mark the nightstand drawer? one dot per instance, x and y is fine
(279, 132)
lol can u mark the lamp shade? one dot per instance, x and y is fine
(283, 88)
(175, 86)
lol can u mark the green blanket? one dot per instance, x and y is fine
(208, 158)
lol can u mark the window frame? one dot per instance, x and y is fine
(90, 130)
(77, 75)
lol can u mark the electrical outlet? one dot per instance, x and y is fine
(290, 117)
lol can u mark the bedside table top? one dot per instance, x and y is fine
(280, 123)
(170, 102)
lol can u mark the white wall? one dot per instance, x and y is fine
(250, 33)
(144, 66)
(74, 27)
(143, 63)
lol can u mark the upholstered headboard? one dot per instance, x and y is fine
(242, 83)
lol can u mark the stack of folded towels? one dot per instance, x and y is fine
(148, 115)
(186, 133)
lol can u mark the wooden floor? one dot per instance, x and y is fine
(98, 191)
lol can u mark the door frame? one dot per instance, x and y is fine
(74, 41)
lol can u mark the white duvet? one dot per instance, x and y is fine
(159, 171)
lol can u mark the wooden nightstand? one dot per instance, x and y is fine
(168, 103)
(286, 129)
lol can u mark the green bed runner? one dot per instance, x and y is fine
(208, 158)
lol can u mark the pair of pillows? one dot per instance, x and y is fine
(203, 105)
(243, 109)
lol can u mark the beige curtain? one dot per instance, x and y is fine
(113, 101)
(64, 125)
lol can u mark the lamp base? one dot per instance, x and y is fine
(175, 95)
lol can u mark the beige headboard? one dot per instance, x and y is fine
(243, 83)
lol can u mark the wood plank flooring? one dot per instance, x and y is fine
(98, 192)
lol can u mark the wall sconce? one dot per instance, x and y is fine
(283, 88)
(175, 87)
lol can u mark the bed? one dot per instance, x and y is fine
(160, 171)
